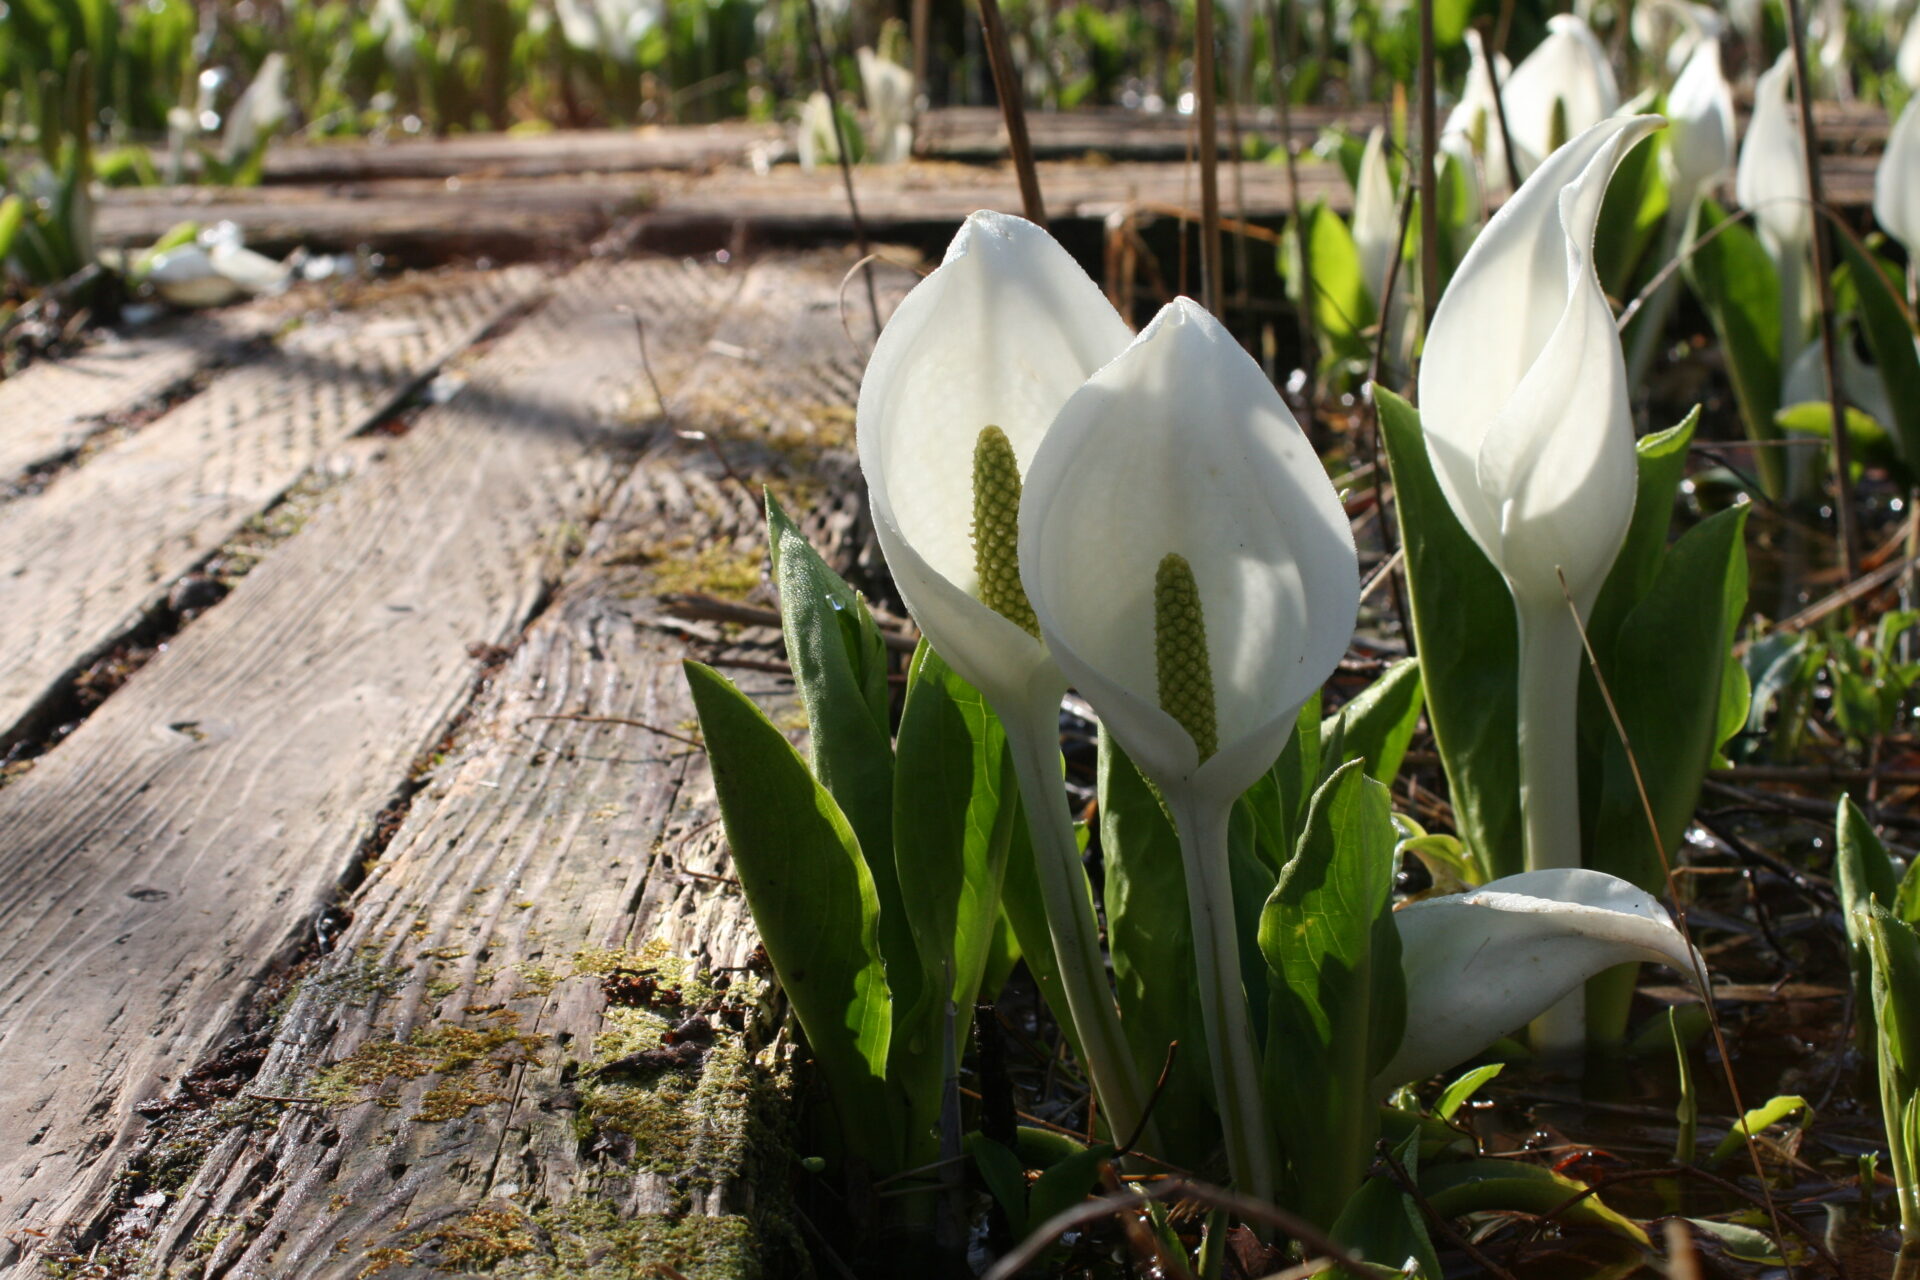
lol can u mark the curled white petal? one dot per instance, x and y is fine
(1000, 335)
(1472, 127)
(1482, 964)
(1182, 445)
(1896, 184)
(1523, 385)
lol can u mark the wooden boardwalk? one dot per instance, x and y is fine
(320, 911)
(717, 186)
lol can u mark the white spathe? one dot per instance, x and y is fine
(1182, 445)
(1771, 181)
(1523, 386)
(1568, 67)
(259, 111)
(1000, 335)
(889, 91)
(1700, 130)
(1376, 216)
(1472, 130)
(1896, 183)
(1480, 965)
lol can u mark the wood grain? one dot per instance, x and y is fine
(158, 865)
(52, 406)
(87, 559)
(555, 831)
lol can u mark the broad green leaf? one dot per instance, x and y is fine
(1863, 876)
(1001, 1170)
(1748, 1244)
(1344, 312)
(1066, 1184)
(1150, 936)
(1486, 1185)
(1337, 992)
(1906, 903)
(1890, 335)
(1468, 644)
(840, 671)
(813, 903)
(1735, 281)
(1277, 802)
(1665, 679)
(1377, 725)
(1381, 1223)
(1455, 1095)
(1770, 1112)
(1868, 440)
(13, 212)
(1661, 460)
(1021, 901)
(951, 825)
(1003, 951)
(1044, 1148)
(1895, 950)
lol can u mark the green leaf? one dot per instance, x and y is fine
(839, 665)
(1735, 281)
(1338, 996)
(1150, 936)
(1863, 876)
(1468, 644)
(1006, 1180)
(952, 821)
(1631, 215)
(1277, 801)
(1770, 1112)
(813, 903)
(1066, 1184)
(1377, 725)
(1871, 445)
(1661, 462)
(1895, 951)
(1455, 1095)
(1744, 1243)
(1486, 1185)
(1666, 682)
(1344, 312)
(1890, 335)
(1906, 903)
(1381, 1223)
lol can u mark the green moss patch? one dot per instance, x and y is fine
(468, 1060)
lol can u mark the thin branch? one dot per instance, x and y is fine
(1205, 83)
(823, 69)
(1412, 1190)
(1429, 173)
(1680, 915)
(1006, 85)
(1829, 344)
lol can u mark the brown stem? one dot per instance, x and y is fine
(823, 71)
(1006, 84)
(1829, 346)
(1429, 174)
(1205, 84)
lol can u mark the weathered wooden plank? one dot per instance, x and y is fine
(89, 557)
(48, 409)
(557, 838)
(157, 864)
(520, 155)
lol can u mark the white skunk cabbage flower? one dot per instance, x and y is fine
(1676, 27)
(261, 109)
(818, 142)
(1896, 183)
(964, 382)
(393, 25)
(889, 91)
(1700, 129)
(1194, 574)
(1771, 183)
(1561, 89)
(1482, 964)
(1523, 393)
(1376, 215)
(214, 270)
(1472, 131)
(1805, 380)
(1906, 59)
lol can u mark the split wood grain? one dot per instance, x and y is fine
(87, 559)
(159, 864)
